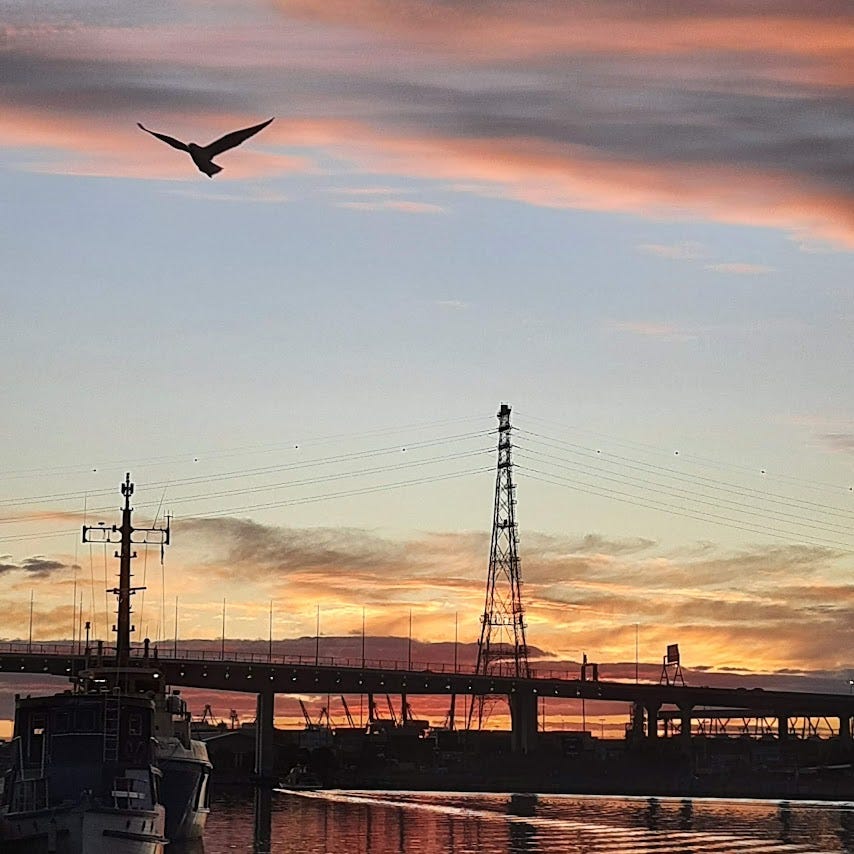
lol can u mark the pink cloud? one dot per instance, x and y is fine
(741, 269)
(558, 146)
(527, 28)
(393, 205)
(72, 144)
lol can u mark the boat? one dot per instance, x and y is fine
(301, 779)
(113, 758)
(186, 769)
(84, 777)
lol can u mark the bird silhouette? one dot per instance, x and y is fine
(203, 155)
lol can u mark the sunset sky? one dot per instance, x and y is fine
(633, 222)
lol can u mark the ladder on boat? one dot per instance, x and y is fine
(112, 714)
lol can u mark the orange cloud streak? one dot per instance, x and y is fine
(78, 145)
(529, 29)
(527, 170)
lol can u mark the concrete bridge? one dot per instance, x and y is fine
(268, 675)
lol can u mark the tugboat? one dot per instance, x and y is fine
(108, 767)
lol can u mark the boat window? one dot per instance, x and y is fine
(62, 722)
(135, 724)
(36, 745)
(201, 791)
(84, 720)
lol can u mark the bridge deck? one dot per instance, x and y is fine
(256, 674)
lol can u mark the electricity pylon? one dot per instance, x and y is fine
(502, 648)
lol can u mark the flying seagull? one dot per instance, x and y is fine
(203, 155)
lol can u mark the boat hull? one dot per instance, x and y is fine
(183, 792)
(84, 830)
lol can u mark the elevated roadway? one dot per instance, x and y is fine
(266, 676)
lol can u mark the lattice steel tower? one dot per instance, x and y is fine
(502, 648)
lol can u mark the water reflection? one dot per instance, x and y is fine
(439, 823)
(846, 831)
(686, 815)
(785, 816)
(263, 821)
(523, 835)
(653, 814)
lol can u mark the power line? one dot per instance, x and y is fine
(655, 504)
(728, 504)
(344, 493)
(704, 461)
(256, 471)
(234, 452)
(675, 474)
(309, 499)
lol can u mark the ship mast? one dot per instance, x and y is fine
(125, 538)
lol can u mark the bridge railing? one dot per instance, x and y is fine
(169, 653)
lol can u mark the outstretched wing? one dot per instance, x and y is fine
(169, 140)
(230, 140)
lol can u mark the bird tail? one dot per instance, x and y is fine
(211, 169)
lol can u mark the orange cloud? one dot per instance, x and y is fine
(766, 609)
(73, 144)
(524, 28)
(599, 106)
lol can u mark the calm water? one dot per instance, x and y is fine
(332, 822)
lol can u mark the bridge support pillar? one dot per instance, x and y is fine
(264, 736)
(783, 727)
(523, 722)
(845, 730)
(652, 720)
(685, 730)
(637, 722)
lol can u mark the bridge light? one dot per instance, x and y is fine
(534, 690)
